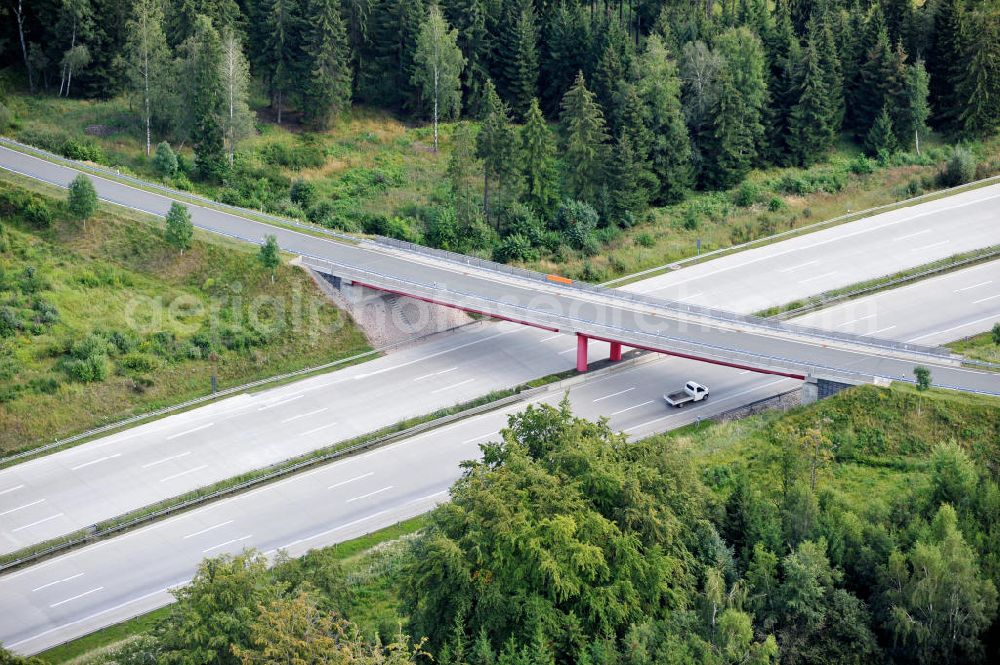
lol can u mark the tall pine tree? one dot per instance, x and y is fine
(538, 164)
(729, 141)
(811, 124)
(979, 88)
(206, 103)
(496, 145)
(584, 142)
(326, 91)
(521, 67)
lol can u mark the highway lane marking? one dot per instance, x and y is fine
(28, 526)
(184, 473)
(567, 351)
(801, 265)
(620, 392)
(550, 337)
(211, 528)
(913, 235)
(932, 245)
(94, 616)
(947, 330)
(190, 431)
(702, 406)
(11, 489)
(860, 318)
(228, 542)
(65, 579)
(351, 480)
(974, 286)
(976, 302)
(438, 353)
(813, 279)
(694, 295)
(327, 532)
(27, 505)
(424, 498)
(77, 597)
(454, 385)
(95, 461)
(480, 437)
(318, 429)
(280, 402)
(632, 407)
(427, 376)
(880, 330)
(305, 415)
(370, 494)
(165, 459)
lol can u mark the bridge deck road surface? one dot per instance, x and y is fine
(84, 590)
(567, 308)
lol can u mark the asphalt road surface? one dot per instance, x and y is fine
(569, 309)
(99, 585)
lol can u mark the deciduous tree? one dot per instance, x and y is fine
(439, 63)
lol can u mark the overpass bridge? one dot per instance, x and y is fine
(548, 301)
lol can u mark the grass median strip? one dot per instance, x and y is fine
(859, 289)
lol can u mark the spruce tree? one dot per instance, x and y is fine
(881, 139)
(746, 61)
(881, 78)
(565, 43)
(979, 88)
(830, 65)
(584, 138)
(783, 55)
(729, 141)
(205, 51)
(282, 51)
(608, 77)
(326, 90)
(496, 145)
(469, 18)
(811, 124)
(945, 62)
(538, 164)
(521, 68)
(669, 150)
(628, 194)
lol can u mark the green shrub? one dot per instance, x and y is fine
(303, 194)
(140, 363)
(47, 385)
(295, 158)
(6, 117)
(37, 213)
(515, 247)
(776, 204)
(165, 161)
(746, 194)
(577, 220)
(88, 370)
(644, 240)
(84, 151)
(960, 167)
(442, 228)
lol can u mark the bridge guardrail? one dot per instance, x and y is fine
(484, 264)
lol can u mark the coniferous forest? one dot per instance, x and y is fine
(585, 114)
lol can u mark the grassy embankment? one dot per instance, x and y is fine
(102, 322)
(882, 440)
(375, 174)
(978, 347)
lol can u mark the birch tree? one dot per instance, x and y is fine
(235, 77)
(19, 14)
(439, 67)
(76, 17)
(147, 54)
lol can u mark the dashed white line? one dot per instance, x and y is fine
(211, 528)
(424, 498)
(95, 461)
(567, 351)
(974, 286)
(932, 245)
(818, 277)
(881, 330)
(550, 337)
(480, 437)
(801, 265)
(370, 494)
(632, 407)
(947, 330)
(80, 595)
(318, 429)
(351, 480)
(228, 542)
(184, 473)
(329, 531)
(11, 489)
(305, 415)
(913, 235)
(976, 302)
(861, 318)
(454, 385)
(427, 376)
(166, 459)
(190, 431)
(65, 579)
(693, 295)
(27, 505)
(43, 521)
(620, 392)
(280, 402)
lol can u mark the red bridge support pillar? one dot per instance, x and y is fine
(581, 353)
(616, 351)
